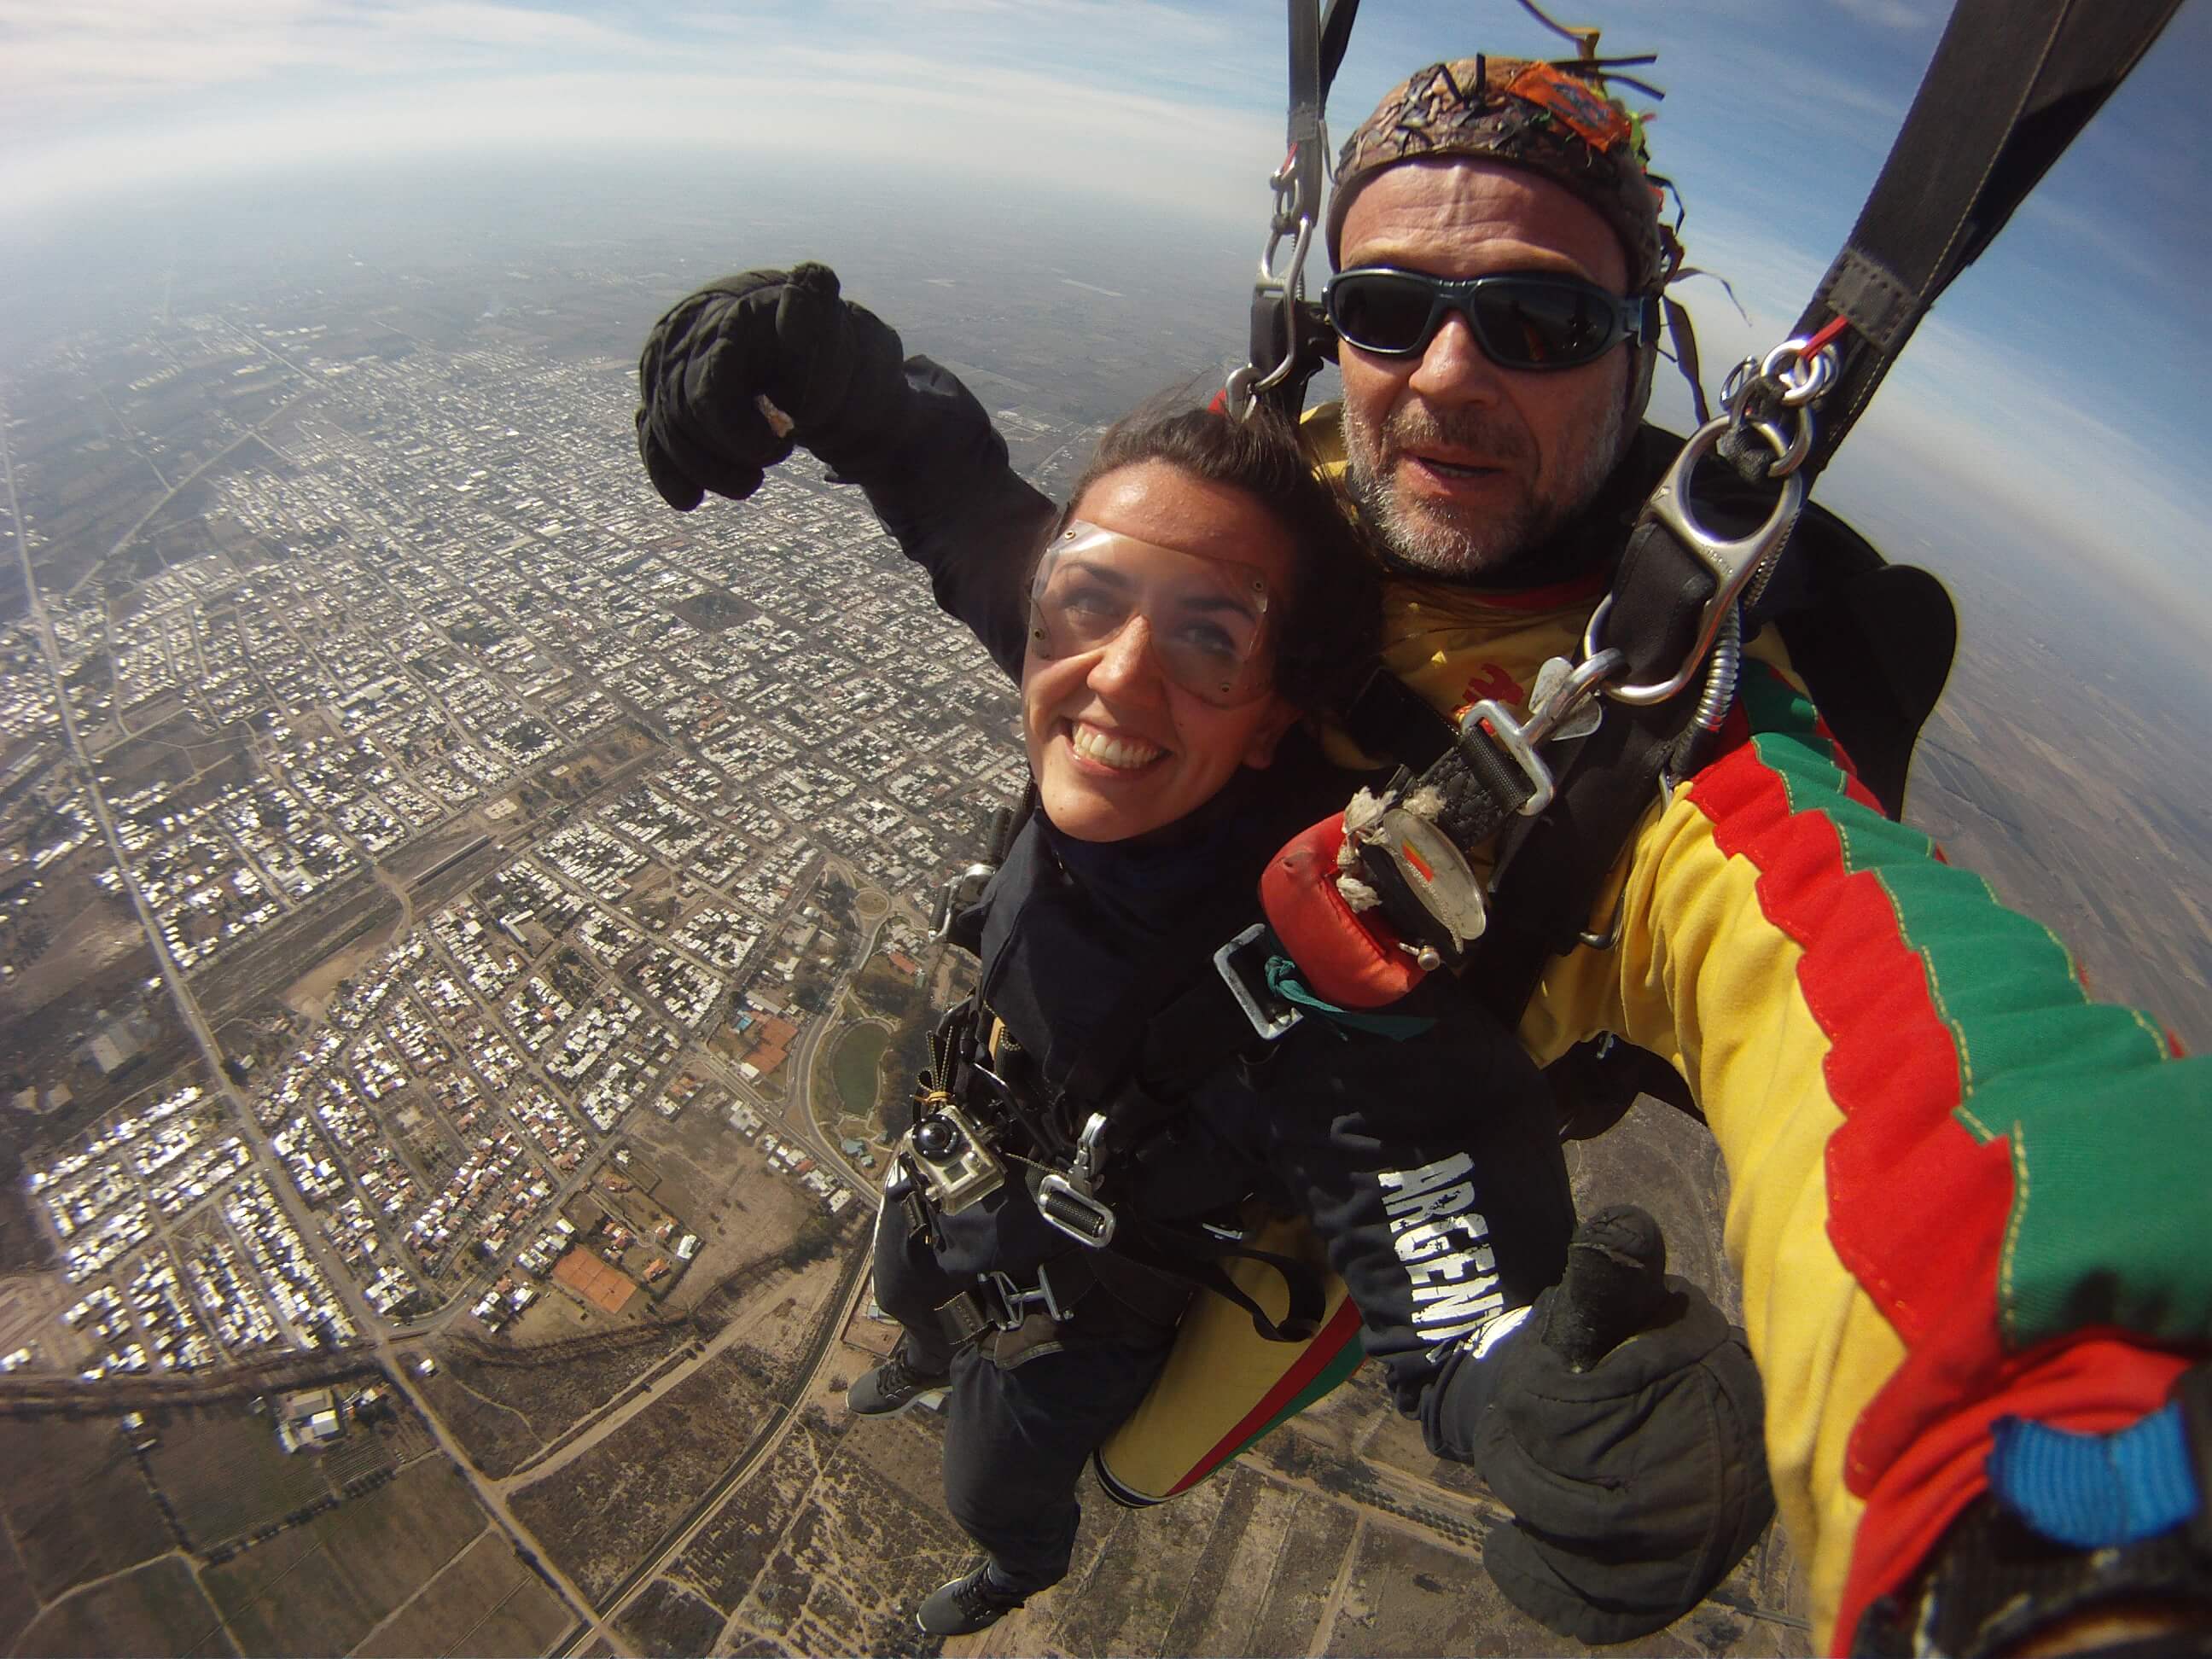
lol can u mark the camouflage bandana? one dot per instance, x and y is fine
(1528, 114)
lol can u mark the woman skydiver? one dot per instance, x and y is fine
(1202, 589)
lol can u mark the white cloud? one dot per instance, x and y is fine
(60, 62)
(1897, 13)
(979, 122)
(126, 92)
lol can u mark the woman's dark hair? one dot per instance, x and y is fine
(1331, 622)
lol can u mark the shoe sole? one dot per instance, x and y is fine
(931, 1397)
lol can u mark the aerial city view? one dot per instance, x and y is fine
(466, 930)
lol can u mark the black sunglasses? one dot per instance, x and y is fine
(1520, 319)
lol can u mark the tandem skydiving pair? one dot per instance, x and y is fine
(1214, 995)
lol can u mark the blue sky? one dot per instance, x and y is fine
(2054, 386)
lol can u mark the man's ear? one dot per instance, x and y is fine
(1260, 751)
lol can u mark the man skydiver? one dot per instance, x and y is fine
(1980, 1414)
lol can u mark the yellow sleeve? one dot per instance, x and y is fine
(1958, 1188)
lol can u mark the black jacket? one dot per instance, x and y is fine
(1436, 1217)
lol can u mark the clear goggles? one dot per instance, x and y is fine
(1206, 619)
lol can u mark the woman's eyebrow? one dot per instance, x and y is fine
(1219, 602)
(1105, 573)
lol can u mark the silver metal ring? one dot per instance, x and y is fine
(1238, 389)
(1793, 452)
(1802, 378)
(1737, 386)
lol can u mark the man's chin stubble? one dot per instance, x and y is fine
(1417, 545)
(1421, 545)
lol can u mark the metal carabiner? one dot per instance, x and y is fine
(1732, 564)
(1519, 738)
(1247, 380)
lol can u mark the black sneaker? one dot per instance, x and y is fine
(966, 1605)
(891, 1389)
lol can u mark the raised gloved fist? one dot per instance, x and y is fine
(1622, 1425)
(831, 369)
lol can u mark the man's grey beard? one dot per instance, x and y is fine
(1430, 544)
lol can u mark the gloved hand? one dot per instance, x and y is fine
(1622, 1427)
(833, 368)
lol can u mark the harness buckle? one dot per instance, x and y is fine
(956, 895)
(1513, 737)
(1074, 1211)
(1066, 1200)
(1269, 1025)
(995, 1302)
(1014, 1302)
(1733, 565)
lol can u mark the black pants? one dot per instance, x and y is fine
(1015, 1441)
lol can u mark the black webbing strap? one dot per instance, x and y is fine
(1181, 960)
(1552, 867)
(1197, 1257)
(1483, 787)
(1318, 37)
(1388, 719)
(1336, 22)
(2011, 83)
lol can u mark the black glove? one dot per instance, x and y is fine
(833, 368)
(1622, 1427)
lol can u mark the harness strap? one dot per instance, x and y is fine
(2011, 83)
(1287, 330)
(1131, 1035)
(1550, 867)
(1197, 1257)
(1387, 717)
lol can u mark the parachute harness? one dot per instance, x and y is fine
(1287, 332)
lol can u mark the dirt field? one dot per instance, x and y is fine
(89, 930)
(504, 1414)
(155, 1609)
(310, 992)
(668, 1622)
(721, 1185)
(320, 1588)
(485, 1602)
(819, 1553)
(225, 1475)
(600, 1514)
(23, 1242)
(42, 1047)
(18, 1606)
(76, 1505)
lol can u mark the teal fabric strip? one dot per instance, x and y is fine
(1283, 980)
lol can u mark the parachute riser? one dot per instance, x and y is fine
(1290, 338)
